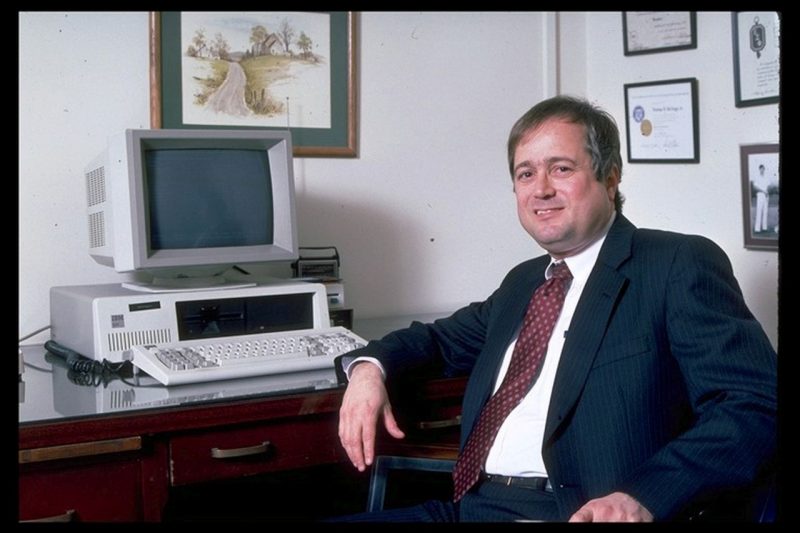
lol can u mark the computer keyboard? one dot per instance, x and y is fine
(244, 356)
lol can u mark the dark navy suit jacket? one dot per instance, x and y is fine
(666, 386)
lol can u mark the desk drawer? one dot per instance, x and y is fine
(105, 489)
(245, 450)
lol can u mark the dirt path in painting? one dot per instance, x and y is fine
(229, 97)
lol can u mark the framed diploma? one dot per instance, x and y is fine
(756, 57)
(649, 32)
(661, 121)
(760, 195)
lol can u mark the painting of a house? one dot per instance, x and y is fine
(268, 69)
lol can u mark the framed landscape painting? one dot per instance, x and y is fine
(274, 70)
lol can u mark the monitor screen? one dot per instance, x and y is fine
(191, 204)
(195, 199)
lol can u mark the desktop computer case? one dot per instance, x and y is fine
(105, 321)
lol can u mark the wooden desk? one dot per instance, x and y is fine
(112, 452)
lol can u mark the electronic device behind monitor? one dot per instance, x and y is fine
(184, 206)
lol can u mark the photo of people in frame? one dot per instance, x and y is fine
(760, 165)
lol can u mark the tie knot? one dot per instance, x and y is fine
(561, 270)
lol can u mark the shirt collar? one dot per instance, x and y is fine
(581, 264)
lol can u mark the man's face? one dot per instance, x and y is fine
(560, 203)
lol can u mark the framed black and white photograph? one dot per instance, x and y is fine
(760, 195)
(650, 32)
(261, 69)
(661, 121)
(756, 57)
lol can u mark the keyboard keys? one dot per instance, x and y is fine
(243, 356)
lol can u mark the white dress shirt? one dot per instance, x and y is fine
(517, 448)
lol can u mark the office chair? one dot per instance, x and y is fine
(758, 505)
(383, 464)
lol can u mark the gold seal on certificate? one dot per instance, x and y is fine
(646, 127)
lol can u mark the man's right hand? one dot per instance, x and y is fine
(364, 401)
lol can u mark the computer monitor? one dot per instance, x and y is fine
(185, 206)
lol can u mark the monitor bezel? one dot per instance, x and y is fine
(277, 144)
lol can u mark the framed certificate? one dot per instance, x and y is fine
(649, 32)
(661, 121)
(756, 57)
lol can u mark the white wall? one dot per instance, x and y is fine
(704, 198)
(424, 218)
(82, 76)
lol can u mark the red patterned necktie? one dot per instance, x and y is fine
(529, 352)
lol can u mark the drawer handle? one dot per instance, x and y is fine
(68, 516)
(218, 453)
(436, 424)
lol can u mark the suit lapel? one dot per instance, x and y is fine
(589, 323)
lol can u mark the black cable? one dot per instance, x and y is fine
(82, 370)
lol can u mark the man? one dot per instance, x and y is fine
(657, 389)
(761, 187)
